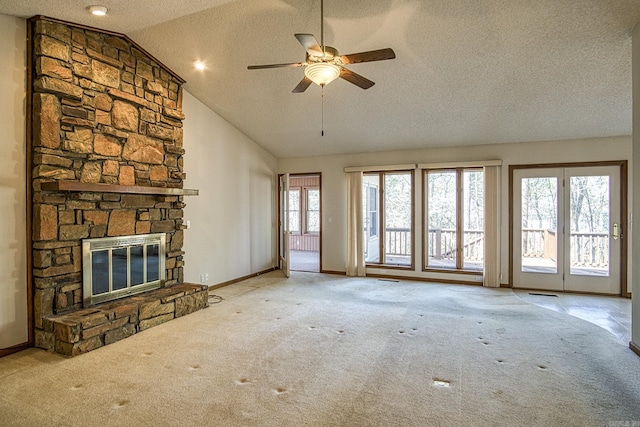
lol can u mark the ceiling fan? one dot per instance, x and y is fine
(323, 64)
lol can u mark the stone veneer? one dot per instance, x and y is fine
(103, 111)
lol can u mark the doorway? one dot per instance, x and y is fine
(568, 227)
(303, 218)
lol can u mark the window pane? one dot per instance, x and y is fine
(370, 209)
(313, 200)
(397, 218)
(100, 272)
(294, 211)
(372, 206)
(539, 238)
(137, 265)
(441, 219)
(313, 211)
(589, 204)
(473, 217)
(119, 271)
(153, 263)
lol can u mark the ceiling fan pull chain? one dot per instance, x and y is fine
(322, 108)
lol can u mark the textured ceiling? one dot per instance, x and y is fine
(467, 71)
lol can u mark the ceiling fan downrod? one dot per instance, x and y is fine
(322, 25)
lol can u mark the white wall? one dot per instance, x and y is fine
(635, 326)
(232, 232)
(13, 264)
(334, 184)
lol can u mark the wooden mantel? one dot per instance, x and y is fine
(77, 186)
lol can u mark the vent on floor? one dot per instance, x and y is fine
(543, 295)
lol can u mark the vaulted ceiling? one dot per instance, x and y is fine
(467, 71)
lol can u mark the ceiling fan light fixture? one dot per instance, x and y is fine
(322, 73)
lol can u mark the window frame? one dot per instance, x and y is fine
(381, 220)
(459, 269)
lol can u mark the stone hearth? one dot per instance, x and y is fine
(90, 328)
(106, 115)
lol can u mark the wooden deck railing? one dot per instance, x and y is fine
(590, 250)
(539, 243)
(586, 249)
(441, 243)
(398, 241)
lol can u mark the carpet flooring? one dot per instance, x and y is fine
(324, 350)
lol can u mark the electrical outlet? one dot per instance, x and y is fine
(204, 277)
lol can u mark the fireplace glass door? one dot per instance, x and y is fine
(114, 267)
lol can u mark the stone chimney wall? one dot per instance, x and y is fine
(103, 111)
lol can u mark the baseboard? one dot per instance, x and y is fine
(505, 285)
(13, 349)
(339, 273)
(424, 279)
(240, 279)
(634, 347)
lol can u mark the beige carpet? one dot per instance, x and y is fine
(322, 350)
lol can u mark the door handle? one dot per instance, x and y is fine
(615, 231)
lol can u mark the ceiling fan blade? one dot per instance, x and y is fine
(310, 44)
(372, 55)
(303, 85)
(290, 65)
(356, 79)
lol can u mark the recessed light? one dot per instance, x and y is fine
(441, 383)
(97, 10)
(199, 65)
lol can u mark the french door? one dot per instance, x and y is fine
(284, 253)
(567, 229)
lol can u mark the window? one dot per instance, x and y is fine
(304, 208)
(388, 205)
(294, 211)
(312, 218)
(454, 205)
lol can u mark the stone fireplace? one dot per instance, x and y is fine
(105, 161)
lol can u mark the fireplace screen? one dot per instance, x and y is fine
(115, 267)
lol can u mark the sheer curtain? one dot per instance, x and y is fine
(355, 249)
(491, 226)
